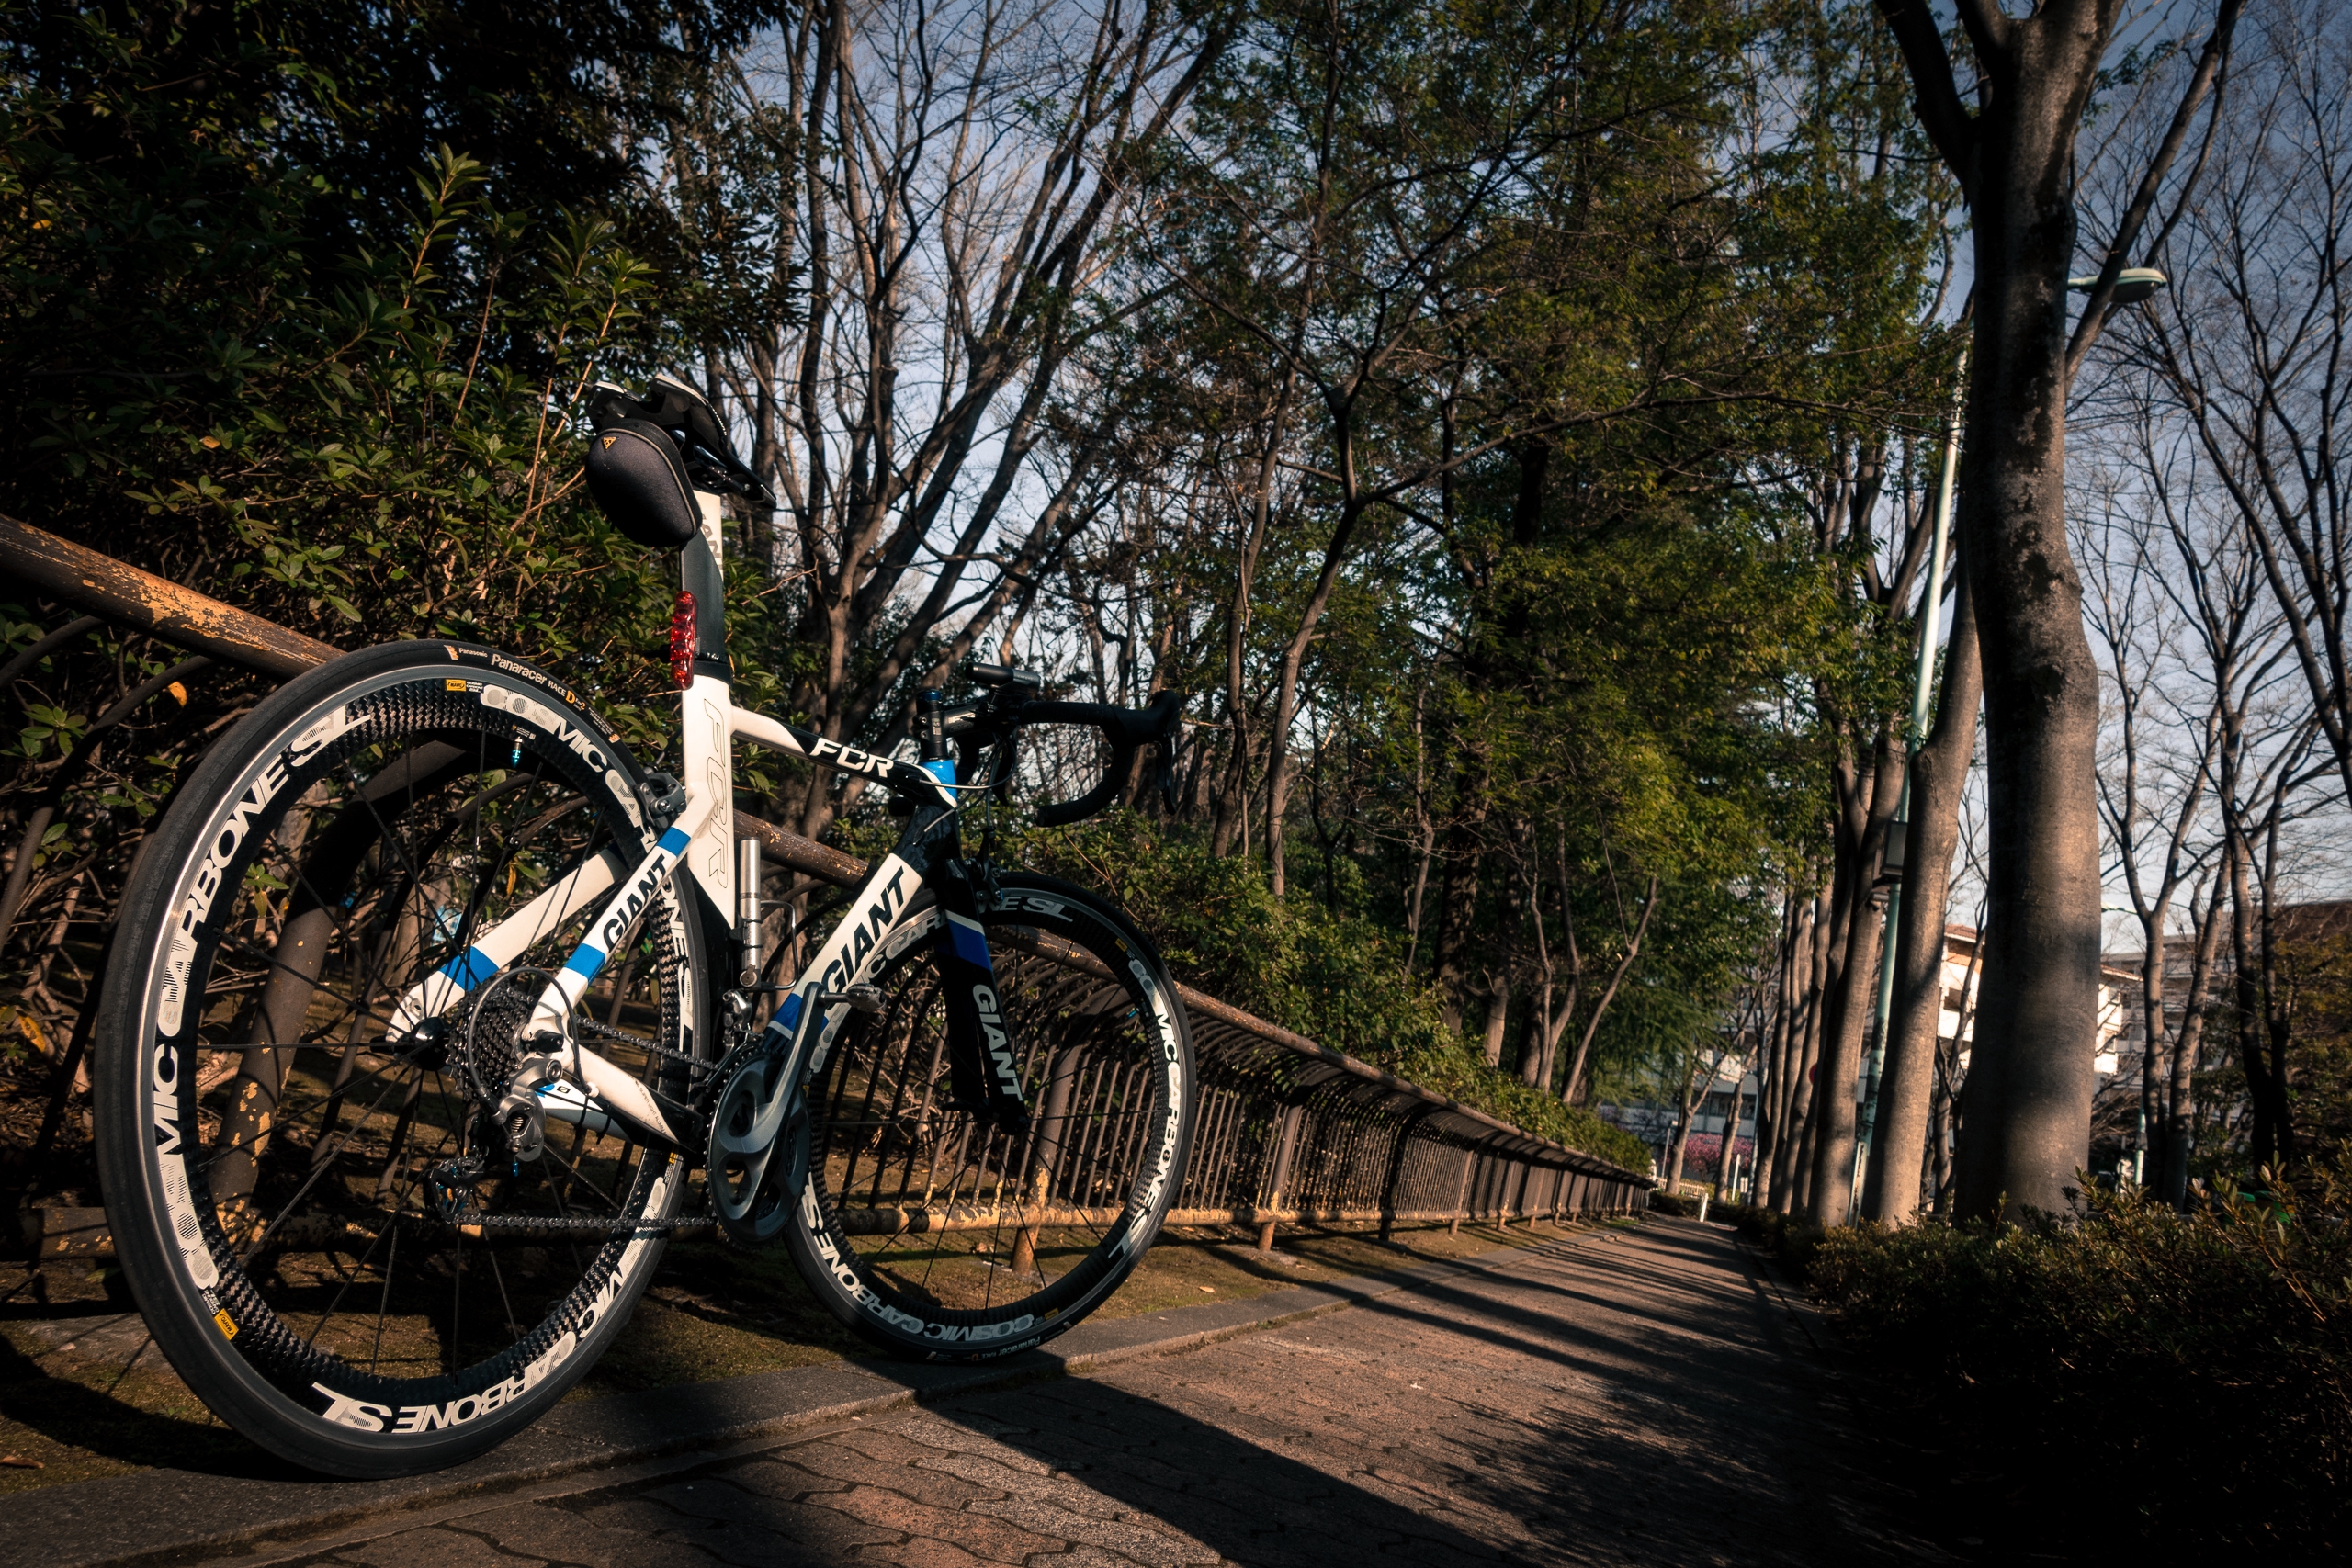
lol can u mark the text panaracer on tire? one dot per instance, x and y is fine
(328, 1233)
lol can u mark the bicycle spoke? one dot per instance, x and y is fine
(384, 1302)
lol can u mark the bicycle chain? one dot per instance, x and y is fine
(568, 1225)
(603, 1032)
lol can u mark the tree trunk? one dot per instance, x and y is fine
(1457, 898)
(1726, 1164)
(1424, 823)
(2030, 1079)
(2246, 988)
(1773, 1150)
(1278, 768)
(1804, 1059)
(1808, 1140)
(1938, 773)
(1498, 1016)
(1681, 1132)
(1861, 848)
(1771, 1080)
(1503, 958)
(1939, 1128)
(1573, 1094)
(2180, 1093)
(1554, 1021)
(1228, 830)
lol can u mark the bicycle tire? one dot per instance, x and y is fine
(934, 1265)
(349, 837)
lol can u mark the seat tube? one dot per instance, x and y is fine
(706, 712)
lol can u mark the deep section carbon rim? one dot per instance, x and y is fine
(931, 1228)
(301, 1154)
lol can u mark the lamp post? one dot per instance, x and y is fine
(1898, 831)
(2133, 284)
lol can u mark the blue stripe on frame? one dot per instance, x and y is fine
(674, 842)
(970, 944)
(584, 962)
(469, 968)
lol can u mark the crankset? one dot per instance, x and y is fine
(757, 1161)
(756, 1158)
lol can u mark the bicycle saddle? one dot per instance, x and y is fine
(686, 416)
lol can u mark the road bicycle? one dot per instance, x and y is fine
(426, 997)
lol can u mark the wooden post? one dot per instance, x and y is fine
(1286, 1141)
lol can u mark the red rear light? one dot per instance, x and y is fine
(681, 640)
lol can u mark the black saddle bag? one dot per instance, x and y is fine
(638, 478)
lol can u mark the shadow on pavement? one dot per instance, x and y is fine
(76, 1415)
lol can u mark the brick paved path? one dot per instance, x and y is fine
(1625, 1398)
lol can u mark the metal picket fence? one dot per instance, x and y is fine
(1294, 1133)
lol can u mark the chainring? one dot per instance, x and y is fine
(755, 1183)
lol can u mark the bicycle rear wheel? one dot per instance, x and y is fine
(270, 1137)
(933, 1232)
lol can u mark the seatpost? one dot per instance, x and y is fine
(747, 907)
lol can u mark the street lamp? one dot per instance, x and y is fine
(1898, 831)
(2133, 284)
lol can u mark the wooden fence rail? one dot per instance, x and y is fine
(1290, 1131)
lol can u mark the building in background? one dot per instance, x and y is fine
(1956, 1025)
(2118, 1137)
(1711, 1113)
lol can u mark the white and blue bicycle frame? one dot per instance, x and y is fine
(699, 843)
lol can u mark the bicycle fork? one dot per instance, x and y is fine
(984, 1075)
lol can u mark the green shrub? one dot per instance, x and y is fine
(2187, 1378)
(1338, 980)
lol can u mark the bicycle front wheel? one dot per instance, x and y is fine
(932, 1231)
(331, 1240)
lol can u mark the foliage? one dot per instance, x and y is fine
(2316, 974)
(1567, 296)
(1334, 978)
(270, 342)
(2190, 1373)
